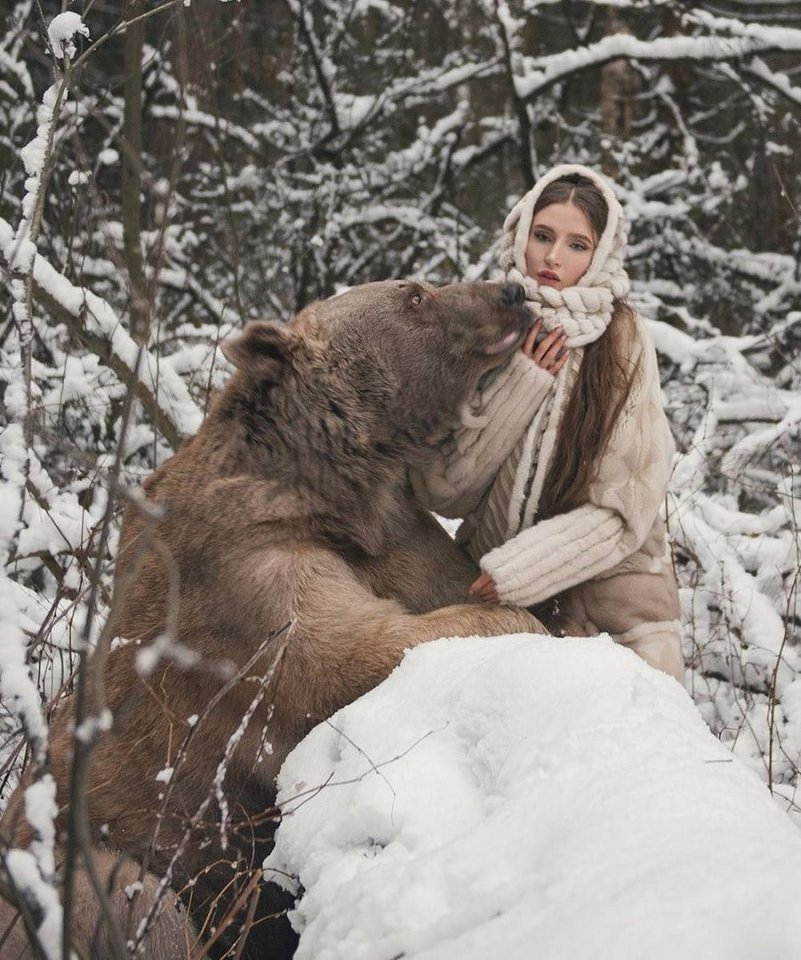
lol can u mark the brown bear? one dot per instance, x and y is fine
(277, 571)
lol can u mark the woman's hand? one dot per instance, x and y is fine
(550, 353)
(484, 588)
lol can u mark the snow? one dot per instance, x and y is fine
(17, 688)
(744, 450)
(41, 810)
(743, 40)
(24, 870)
(352, 110)
(493, 794)
(763, 628)
(100, 319)
(409, 196)
(203, 119)
(33, 871)
(93, 726)
(61, 31)
(782, 83)
(14, 67)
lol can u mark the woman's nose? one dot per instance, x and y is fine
(552, 256)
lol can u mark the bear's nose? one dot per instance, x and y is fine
(512, 294)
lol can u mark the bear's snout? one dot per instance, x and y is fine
(511, 300)
(512, 294)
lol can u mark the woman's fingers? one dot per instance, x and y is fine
(547, 352)
(478, 585)
(484, 588)
(555, 356)
(550, 353)
(549, 346)
(560, 361)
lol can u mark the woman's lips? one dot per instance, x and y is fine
(549, 279)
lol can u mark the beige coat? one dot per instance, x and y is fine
(606, 563)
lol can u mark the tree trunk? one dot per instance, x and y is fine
(617, 93)
(132, 176)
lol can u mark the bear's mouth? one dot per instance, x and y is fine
(503, 344)
(507, 341)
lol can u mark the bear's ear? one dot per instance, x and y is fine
(262, 350)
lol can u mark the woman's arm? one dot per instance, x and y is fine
(555, 554)
(624, 500)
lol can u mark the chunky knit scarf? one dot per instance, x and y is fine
(583, 311)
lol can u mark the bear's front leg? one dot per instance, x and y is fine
(420, 565)
(346, 640)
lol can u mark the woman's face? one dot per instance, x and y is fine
(560, 246)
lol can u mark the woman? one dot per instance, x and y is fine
(562, 463)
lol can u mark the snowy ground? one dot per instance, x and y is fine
(528, 797)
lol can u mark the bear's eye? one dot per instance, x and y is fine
(417, 299)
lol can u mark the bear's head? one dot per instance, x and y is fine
(394, 362)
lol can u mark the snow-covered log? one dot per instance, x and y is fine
(532, 796)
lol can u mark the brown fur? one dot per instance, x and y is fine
(171, 936)
(290, 506)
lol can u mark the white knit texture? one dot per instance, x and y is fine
(556, 554)
(458, 475)
(583, 311)
(631, 479)
(619, 530)
(566, 381)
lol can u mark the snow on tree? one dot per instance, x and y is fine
(251, 158)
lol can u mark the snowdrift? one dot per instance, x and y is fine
(525, 797)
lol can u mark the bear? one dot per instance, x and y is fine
(275, 569)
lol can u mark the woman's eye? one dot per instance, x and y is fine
(417, 299)
(543, 237)
(579, 246)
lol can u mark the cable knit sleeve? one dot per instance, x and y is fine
(624, 500)
(555, 554)
(454, 480)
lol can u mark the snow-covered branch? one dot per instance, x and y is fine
(285, 158)
(539, 73)
(162, 392)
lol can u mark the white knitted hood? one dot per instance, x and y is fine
(584, 311)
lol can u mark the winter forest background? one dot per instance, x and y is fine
(186, 167)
